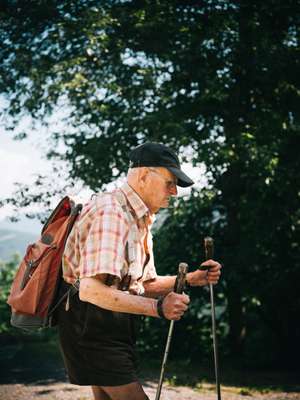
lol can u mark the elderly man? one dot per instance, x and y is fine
(110, 251)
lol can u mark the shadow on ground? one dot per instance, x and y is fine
(40, 363)
(31, 363)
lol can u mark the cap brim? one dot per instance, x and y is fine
(183, 179)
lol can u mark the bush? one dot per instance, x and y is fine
(7, 273)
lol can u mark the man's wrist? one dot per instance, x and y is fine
(187, 280)
(159, 308)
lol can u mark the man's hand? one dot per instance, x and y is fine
(209, 273)
(174, 305)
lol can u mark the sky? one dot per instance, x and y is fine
(19, 160)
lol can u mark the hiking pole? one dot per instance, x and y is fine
(178, 288)
(209, 253)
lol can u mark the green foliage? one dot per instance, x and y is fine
(181, 239)
(178, 240)
(7, 273)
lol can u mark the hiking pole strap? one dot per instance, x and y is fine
(178, 288)
(209, 253)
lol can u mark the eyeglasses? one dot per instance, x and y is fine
(171, 185)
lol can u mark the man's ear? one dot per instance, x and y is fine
(142, 176)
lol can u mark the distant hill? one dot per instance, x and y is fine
(24, 224)
(12, 242)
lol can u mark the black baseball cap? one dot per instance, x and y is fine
(158, 155)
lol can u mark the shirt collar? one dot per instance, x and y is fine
(137, 204)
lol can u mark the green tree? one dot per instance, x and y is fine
(218, 79)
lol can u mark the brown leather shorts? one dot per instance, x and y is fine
(98, 346)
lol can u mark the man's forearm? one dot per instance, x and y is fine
(162, 285)
(96, 292)
(159, 286)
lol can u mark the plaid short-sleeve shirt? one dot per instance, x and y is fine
(97, 243)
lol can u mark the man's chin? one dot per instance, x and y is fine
(165, 204)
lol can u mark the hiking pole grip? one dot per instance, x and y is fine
(180, 278)
(209, 253)
(209, 248)
(178, 288)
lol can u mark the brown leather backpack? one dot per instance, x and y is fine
(34, 291)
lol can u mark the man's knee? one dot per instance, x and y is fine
(99, 393)
(132, 391)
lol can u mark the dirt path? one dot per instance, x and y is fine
(65, 391)
(36, 372)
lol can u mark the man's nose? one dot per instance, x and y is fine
(173, 190)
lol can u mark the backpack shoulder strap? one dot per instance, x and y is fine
(132, 236)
